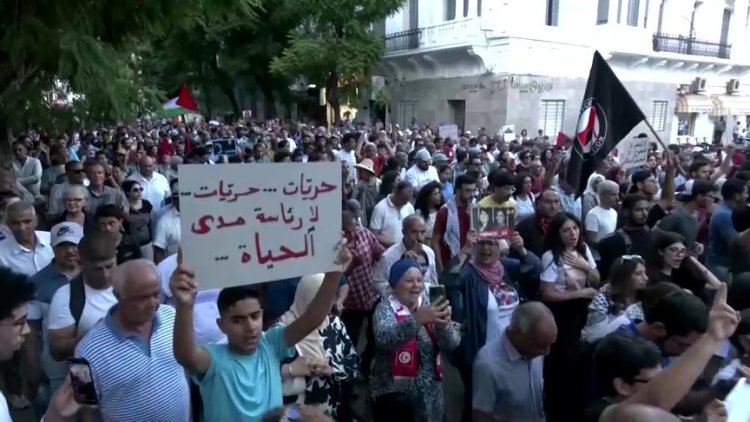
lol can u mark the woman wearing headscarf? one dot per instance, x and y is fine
(489, 299)
(409, 338)
(590, 196)
(329, 351)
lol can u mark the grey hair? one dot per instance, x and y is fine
(19, 207)
(607, 186)
(528, 316)
(74, 189)
(122, 271)
(406, 222)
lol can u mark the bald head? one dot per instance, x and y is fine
(411, 221)
(146, 166)
(132, 277)
(529, 316)
(636, 413)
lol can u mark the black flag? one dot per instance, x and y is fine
(608, 114)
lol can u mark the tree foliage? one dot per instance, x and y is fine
(334, 45)
(88, 48)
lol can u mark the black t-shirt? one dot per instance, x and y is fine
(614, 246)
(655, 214)
(128, 250)
(531, 231)
(594, 410)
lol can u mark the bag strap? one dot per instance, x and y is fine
(77, 299)
(627, 239)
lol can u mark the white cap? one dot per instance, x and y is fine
(66, 232)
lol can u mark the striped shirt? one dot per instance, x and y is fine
(136, 381)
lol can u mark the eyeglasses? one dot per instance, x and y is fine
(136, 190)
(677, 251)
(73, 200)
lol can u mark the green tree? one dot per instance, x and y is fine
(89, 48)
(334, 45)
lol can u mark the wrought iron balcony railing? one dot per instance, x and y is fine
(400, 41)
(690, 45)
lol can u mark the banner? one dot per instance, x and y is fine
(633, 153)
(226, 147)
(252, 223)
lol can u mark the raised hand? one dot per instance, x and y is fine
(722, 320)
(182, 283)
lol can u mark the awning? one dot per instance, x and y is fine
(693, 103)
(731, 105)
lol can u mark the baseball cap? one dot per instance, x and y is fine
(66, 232)
(422, 154)
(695, 187)
(439, 157)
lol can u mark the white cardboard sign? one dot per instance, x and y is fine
(448, 131)
(253, 223)
(633, 152)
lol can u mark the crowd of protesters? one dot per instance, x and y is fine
(628, 301)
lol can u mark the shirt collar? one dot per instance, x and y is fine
(510, 349)
(18, 249)
(115, 329)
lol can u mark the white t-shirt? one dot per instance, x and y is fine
(562, 275)
(4, 411)
(386, 218)
(98, 303)
(168, 232)
(603, 223)
(205, 310)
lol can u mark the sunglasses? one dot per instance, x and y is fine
(136, 190)
(78, 171)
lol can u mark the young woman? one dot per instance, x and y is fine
(445, 173)
(671, 263)
(608, 310)
(523, 196)
(429, 200)
(139, 217)
(590, 195)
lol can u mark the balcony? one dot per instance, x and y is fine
(402, 41)
(689, 45)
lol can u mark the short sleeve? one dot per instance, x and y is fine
(160, 235)
(59, 309)
(592, 222)
(590, 258)
(483, 398)
(274, 337)
(550, 270)
(376, 220)
(34, 311)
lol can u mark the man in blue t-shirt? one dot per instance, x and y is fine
(241, 380)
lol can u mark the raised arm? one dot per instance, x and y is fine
(320, 306)
(194, 358)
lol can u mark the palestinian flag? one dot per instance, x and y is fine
(181, 104)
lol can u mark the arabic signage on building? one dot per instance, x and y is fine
(253, 223)
(522, 84)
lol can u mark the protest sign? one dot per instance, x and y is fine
(252, 223)
(448, 131)
(509, 133)
(224, 147)
(633, 152)
(490, 222)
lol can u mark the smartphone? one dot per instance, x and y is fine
(82, 382)
(291, 414)
(437, 292)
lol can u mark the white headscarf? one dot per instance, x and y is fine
(311, 347)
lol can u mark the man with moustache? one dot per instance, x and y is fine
(634, 238)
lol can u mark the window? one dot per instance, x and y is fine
(479, 7)
(553, 9)
(633, 9)
(466, 8)
(659, 115)
(602, 13)
(551, 116)
(450, 10)
(407, 112)
(619, 11)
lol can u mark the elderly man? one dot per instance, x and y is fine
(132, 346)
(412, 245)
(99, 194)
(507, 377)
(28, 250)
(155, 185)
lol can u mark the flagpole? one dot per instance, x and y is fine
(651, 128)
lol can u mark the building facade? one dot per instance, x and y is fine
(490, 63)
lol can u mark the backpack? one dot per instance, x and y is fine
(77, 299)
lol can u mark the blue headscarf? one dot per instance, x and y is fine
(399, 268)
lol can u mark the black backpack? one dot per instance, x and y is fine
(77, 299)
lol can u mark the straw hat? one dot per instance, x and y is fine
(366, 165)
